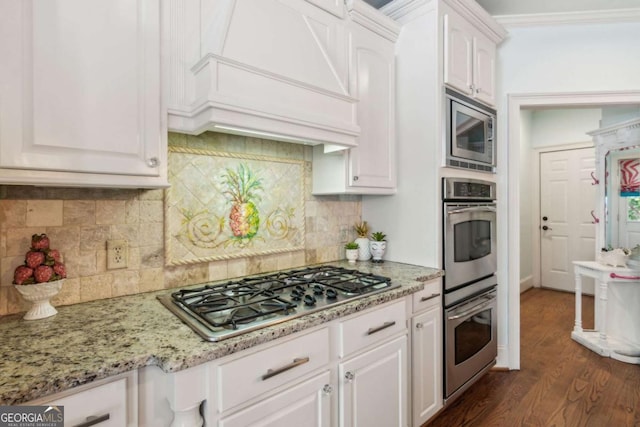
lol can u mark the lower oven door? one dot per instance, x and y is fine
(471, 345)
(469, 243)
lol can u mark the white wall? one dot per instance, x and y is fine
(563, 126)
(550, 59)
(569, 58)
(615, 115)
(526, 203)
(411, 217)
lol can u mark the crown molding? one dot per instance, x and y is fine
(371, 18)
(566, 18)
(480, 18)
(402, 10)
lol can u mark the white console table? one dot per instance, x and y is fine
(617, 311)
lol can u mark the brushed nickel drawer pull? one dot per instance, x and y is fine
(385, 325)
(432, 296)
(93, 420)
(273, 372)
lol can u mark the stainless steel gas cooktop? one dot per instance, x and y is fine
(225, 310)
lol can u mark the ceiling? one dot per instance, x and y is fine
(521, 7)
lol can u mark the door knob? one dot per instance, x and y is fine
(545, 228)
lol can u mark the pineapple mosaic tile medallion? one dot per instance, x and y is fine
(225, 205)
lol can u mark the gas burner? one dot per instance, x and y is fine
(224, 310)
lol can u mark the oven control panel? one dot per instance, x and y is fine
(468, 189)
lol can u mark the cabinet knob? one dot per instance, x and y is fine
(355, 177)
(349, 376)
(419, 325)
(327, 389)
(153, 162)
(477, 90)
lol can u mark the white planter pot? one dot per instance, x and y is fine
(377, 250)
(363, 251)
(352, 255)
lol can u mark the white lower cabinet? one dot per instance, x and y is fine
(426, 353)
(373, 387)
(348, 372)
(307, 404)
(372, 370)
(107, 403)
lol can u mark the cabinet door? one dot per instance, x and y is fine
(80, 87)
(458, 53)
(305, 405)
(373, 387)
(484, 69)
(426, 365)
(372, 162)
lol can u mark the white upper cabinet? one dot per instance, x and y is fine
(369, 168)
(277, 68)
(80, 93)
(469, 59)
(484, 70)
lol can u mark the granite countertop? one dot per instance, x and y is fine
(98, 339)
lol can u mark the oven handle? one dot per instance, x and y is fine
(476, 309)
(472, 209)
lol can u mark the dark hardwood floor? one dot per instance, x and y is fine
(560, 382)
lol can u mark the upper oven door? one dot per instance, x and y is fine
(470, 134)
(469, 243)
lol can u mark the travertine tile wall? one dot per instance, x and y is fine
(80, 221)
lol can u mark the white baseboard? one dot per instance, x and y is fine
(526, 283)
(502, 362)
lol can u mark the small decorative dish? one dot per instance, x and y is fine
(39, 294)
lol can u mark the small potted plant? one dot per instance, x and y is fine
(362, 229)
(351, 250)
(377, 245)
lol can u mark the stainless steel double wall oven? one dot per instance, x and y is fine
(470, 263)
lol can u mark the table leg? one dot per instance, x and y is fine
(603, 313)
(578, 323)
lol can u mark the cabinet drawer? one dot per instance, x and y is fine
(247, 377)
(107, 402)
(371, 327)
(430, 296)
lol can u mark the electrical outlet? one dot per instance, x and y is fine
(117, 254)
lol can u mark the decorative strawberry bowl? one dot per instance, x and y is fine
(39, 295)
(40, 277)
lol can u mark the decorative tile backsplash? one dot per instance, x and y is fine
(80, 221)
(225, 205)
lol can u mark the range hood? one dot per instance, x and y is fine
(275, 69)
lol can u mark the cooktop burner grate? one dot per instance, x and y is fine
(219, 311)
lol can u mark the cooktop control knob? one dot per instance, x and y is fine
(317, 290)
(297, 295)
(309, 300)
(331, 294)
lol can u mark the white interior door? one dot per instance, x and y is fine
(567, 234)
